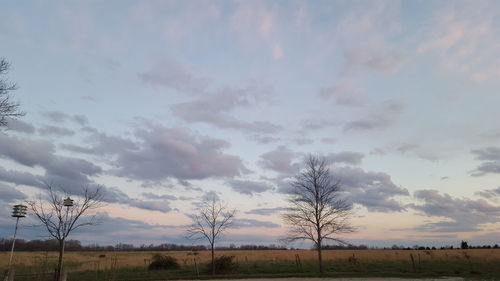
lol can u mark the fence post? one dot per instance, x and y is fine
(196, 267)
(413, 263)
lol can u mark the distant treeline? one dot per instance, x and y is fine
(75, 245)
(463, 246)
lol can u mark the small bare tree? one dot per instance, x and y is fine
(8, 108)
(316, 212)
(212, 219)
(61, 216)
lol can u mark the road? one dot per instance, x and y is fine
(346, 279)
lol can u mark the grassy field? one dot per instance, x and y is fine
(479, 263)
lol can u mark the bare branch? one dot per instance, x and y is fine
(59, 220)
(8, 108)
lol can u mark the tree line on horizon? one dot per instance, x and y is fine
(76, 245)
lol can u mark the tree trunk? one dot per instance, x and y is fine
(320, 259)
(213, 259)
(60, 261)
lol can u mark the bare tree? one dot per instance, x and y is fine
(8, 108)
(61, 216)
(212, 220)
(316, 212)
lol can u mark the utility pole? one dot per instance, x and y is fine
(19, 211)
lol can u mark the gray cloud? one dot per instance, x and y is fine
(373, 190)
(125, 230)
(491, 161)
(465, 214)
(70, 176)
(329, 140)
(56, 116)
(61, 117)
(380, 119)
(176, 152)
(25, 151)
(55, 131)
(342, 93)
(309, 125)
(119, 229)
(150, 205)
(77, 148)
(80, 119)
(65, 171)
(243, 223)
(21, 178)
(10, 194)
(172, 74)
(20, 126)
(209, 106)
(264, 139)
(490, 193)
(265, 211)
(249, 187)
(346, 157)
(407, 149)
(214, 109)
(279, 160)
(446, 226)
(487, 168)
(150, 195)
(487, 154)
(303, 141)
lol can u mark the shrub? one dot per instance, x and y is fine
(223, 264)
(163, 262)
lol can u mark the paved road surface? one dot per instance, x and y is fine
(346, 279)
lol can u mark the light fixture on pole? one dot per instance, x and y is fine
(68, 202)
(19, 211)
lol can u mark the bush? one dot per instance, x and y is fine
(163, 262)
(223, 264)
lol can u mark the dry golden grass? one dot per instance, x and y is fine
(93, 261)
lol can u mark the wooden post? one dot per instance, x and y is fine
(419, 266)
(413, 263)
(196, 267)
(298, 262)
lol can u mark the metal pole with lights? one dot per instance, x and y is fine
(19, 211)
(68, 202)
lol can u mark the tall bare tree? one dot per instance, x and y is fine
(316, 212)
(61, 216)
(8, 108)
(212, 219)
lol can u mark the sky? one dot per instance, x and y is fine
(167, 103)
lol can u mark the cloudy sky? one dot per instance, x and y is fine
(166, 103)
